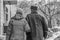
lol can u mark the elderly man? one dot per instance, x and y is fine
(37, 24)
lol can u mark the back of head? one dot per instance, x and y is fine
(19, 11)
(33, 8)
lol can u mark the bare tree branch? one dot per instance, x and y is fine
(43, 12)
(55, 14)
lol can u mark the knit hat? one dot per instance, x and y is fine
(19, 11)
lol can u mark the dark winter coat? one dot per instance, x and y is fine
(38, 26)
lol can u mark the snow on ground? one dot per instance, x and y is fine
(54, 35)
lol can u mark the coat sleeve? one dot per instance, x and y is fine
(45, 27)
(27, 28)
(9, 30)
(27, 19)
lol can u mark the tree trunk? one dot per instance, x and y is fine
(49, 23)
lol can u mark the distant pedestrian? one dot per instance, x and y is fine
(37, 24)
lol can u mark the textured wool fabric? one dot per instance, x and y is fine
(38, 26)
(17, 29)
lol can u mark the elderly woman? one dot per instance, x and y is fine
(17, 27)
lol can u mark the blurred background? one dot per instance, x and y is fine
(49, 9)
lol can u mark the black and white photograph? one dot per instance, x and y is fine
(29, 19)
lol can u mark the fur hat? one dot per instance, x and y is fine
(33, 7)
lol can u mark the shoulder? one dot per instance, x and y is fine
(11, 20)
(23, 19)
(28, 16)
(40, 16)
